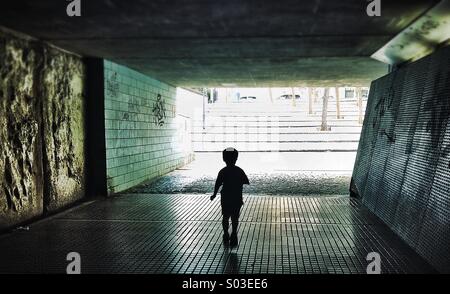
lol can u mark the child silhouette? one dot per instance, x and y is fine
(232, 178)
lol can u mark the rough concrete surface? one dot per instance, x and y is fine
(41, 129)
(201, 43)
(21, 190)
(63, 123)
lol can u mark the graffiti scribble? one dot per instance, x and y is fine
(438, 108)
(112, 86)
(159, 111)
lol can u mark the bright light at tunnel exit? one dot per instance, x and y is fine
(272, 132)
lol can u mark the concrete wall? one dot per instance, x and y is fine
(145, 135)
(41, 129)
(402, 169)
(63, 129)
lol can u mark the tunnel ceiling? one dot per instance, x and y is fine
(221, 43)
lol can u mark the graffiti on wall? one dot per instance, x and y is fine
(159, 111)
(438, 108)
(112, 85)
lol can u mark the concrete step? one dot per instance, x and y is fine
(254, 137)
(303, 112)
(275, 129)
(275, 146)
(298, 115)
(274, 113)
(281, 124)
(273, 119)
(289, 110)
(284, 109)
(286, 103)
(255, 108)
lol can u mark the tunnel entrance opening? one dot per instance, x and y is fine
(283, 144)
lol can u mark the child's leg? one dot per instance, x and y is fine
(225, 224)
(234, 223)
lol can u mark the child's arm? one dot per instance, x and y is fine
(219, 183)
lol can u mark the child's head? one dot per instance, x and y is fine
(230, 156)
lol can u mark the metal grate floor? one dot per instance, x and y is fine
(160, 233)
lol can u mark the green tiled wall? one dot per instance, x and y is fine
(137, 148)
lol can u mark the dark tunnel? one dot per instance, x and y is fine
(114, 116)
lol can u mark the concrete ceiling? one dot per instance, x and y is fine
(249, 43)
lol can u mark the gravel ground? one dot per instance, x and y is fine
(296, 173)
(305, 183)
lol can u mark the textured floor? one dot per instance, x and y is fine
(173, 233)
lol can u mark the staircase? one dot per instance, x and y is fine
(280, 126)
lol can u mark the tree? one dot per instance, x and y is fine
(324, 126)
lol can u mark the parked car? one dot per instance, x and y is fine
(247, 99)
(288, 97)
